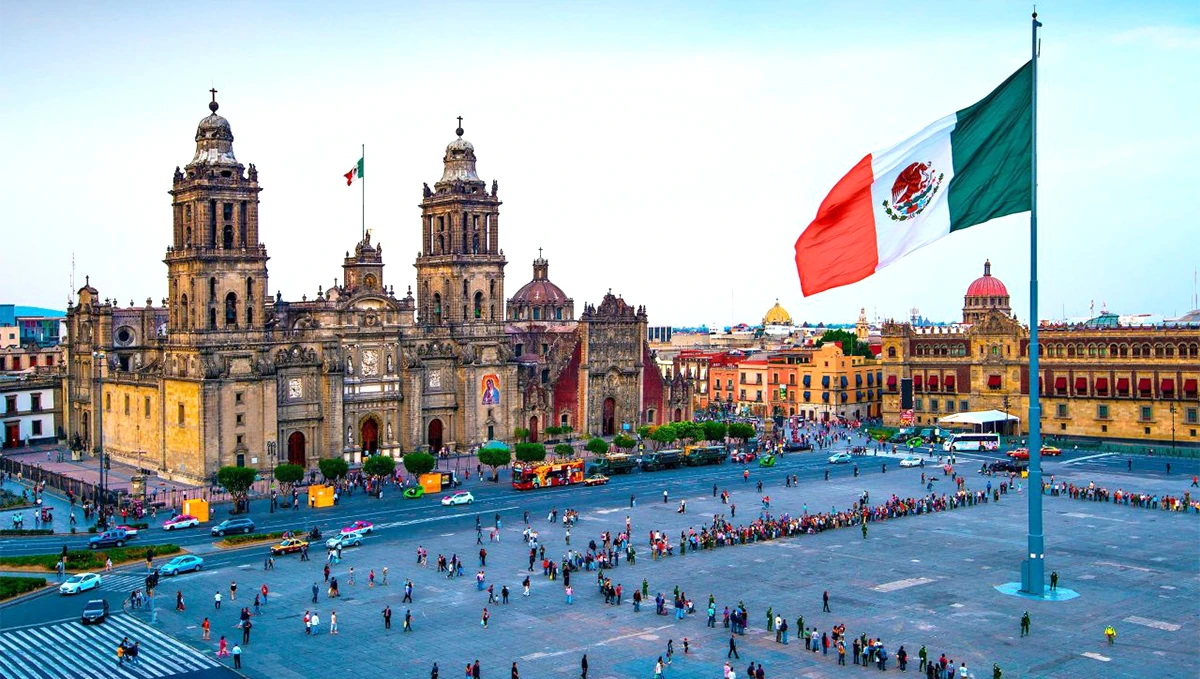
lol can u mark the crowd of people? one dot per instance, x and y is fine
(1094, 493)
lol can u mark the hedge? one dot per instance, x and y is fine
(12, 586)
(26, 531)
(86, 559)
(252, 537)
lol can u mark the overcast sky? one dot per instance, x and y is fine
(670, 151)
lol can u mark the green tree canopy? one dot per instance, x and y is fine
(644, 430)
(714, 431)
(236, 480)
(597, 446)
(566, 430)
(564, 450)
(520, 433)
(688, 430)
(624, 442)
(495, 458)
(289, 473)
(553, 431)
(851, 346)
(334, 468)
(664, 435)
(531, 452)
(418, 463)
(379, 465)
(741, 431)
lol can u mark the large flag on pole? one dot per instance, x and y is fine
(355, 173)
(963, 170)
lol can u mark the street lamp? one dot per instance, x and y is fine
(98, 358)
(1172, 409)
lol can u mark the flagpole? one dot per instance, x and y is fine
(363, 180)
(1033, 570)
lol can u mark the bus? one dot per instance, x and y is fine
(530, 475)
(989, 442)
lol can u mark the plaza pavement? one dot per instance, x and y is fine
(916, 580)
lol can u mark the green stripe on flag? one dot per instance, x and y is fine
(992, 146)
(361, 173)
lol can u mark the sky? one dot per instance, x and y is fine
(670, 152)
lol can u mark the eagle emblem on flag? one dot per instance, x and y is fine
(914, 188)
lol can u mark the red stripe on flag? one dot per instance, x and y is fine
(349, 177)
(838, 247)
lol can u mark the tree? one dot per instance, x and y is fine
(291, 474)
(495, 458)
(237, 480)
(379, 465)
(553, 431)
(851, 346)
(334, 468)
(418, 463)
(531, 452)
(664, 435)
(564, 450)
(714, 431)
(597, 446)
(520, 433)
(566, 430)
(688, 431)
(741, 431)
(644, 430)
(623, 442)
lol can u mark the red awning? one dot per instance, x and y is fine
(933, 381)
(1123, 384)
(917, 379)
(1060, 383)
(1144, 385)
(1101, 385)
(994, 381)
(1167, 386)
(950, 382)
(891, 382)
(1081, 384)
(1189, 387)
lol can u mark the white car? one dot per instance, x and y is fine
(352, 539)
(839, 458)
(79, 583)
(912, 461)
(462, 497)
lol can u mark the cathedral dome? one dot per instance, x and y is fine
(539, 299)
(214, 139)
(987, 285)
(459, 160)
(777, 315)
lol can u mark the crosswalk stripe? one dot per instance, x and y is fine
(184, 657)
(51, 648)
(108, 649)
(7, 669)
(12, 653)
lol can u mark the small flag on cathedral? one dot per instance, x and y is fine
(355, 173)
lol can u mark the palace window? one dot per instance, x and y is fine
(147, 408)
(1102, 412)
(1147, 413)
(1060, 410)
(1192, 415)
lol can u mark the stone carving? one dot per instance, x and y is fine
(390, 368)
(495, 188)
(389, 430)
(253, 173)
(410, 357)
(349, 434)
(426, 191)
(370, 363)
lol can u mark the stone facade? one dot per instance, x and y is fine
(223, 374)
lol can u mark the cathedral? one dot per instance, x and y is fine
(222, 373)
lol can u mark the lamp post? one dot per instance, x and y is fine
(1172, 409)
(98, 358)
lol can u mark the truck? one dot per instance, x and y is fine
(662, 459)
(697, 456)
(616, 463)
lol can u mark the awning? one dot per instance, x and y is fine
(917, 380)
(825, 381)
(1167, 386)
(1144, 385)
(1101, 385)
(825, 396)
(949, 382)
(891, 382)
(1123, 385)
(1189, 387)
(993, 381)
(808, 396)
(933, 382)
(858, 379)
(1060, 383)
(845, 381)
(870, 379)
(1081, 385)
(978, 417)
(808, 380)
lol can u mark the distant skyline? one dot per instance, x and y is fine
(671, 152)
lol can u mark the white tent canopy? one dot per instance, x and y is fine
(981, 418)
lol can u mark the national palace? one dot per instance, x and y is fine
(224, 373)
(1098, 379)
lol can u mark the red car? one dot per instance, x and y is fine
(359, 527)
(130, 531)
(181, 521)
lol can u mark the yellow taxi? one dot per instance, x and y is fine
(288, 546)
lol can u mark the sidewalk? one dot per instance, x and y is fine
(58, 505)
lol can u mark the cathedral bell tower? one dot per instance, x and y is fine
(460, 270)
(216, 266)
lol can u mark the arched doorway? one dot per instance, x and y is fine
(435, 436)
(295, 449)
(678, 414)
(608, 421)
(369, 436)
(533, 429)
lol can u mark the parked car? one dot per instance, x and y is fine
(359, 527)
(288, 545)
(182, 564)
(595, 480)
(840, 458)
(109, 538)
(462, 497)
(232, 526)
(81, 582)
(1008, 466)
(181, 521)
(94, 611)
(344, 540)
(912, 461)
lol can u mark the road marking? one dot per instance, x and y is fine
(902, 584)
(1156, 624)
(539, 655)
(1087, 457)
(1096, 656)
(1123, 565)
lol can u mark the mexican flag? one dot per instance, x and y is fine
(355, 173)
(965, 169)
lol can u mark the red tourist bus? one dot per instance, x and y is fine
(530, 475)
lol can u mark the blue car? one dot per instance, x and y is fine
(181, 564)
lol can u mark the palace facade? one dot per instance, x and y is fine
(222, 373)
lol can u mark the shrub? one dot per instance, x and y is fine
(88, 560)
(597, 446)
(252, 537)
(564, 450)
(624, 442)
(26, 531)
(11, 586)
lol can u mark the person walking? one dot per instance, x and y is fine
(246, 625)
(583, 667)
(1053, 581)
(732, 649)
(825, 601)
(315, 620)
(333, 622)
(217, 601)
(484, 619)
(387, 617)
(232, 590)
(206, 628)
(1025, 624)
(237, 656)
(1110, 633)
(314, 592)
(515, 673)
(408, 620)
